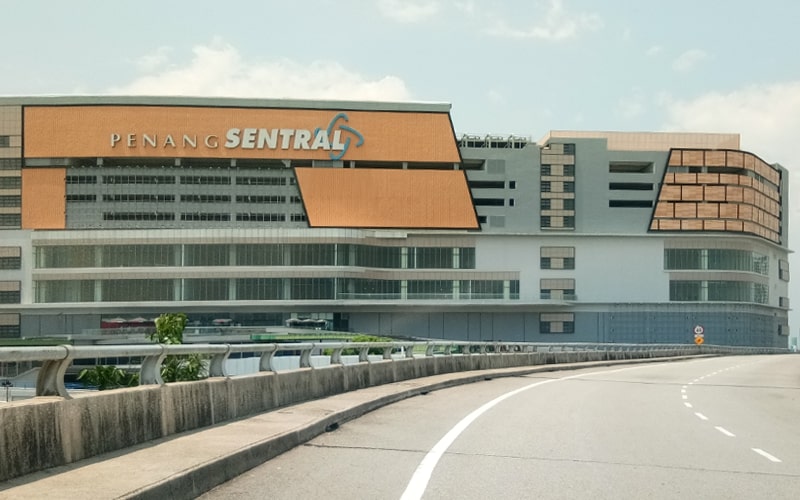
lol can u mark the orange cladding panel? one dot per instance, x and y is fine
(44, 198)
(384, 198)
(207, 132)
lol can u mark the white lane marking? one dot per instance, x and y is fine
(683, 387)
(771, 458)
(701, 416)
(725, 431)
(683, 391)
(685, 396)
(688, 405)
(422, 475)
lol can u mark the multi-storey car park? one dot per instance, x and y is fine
(375, 217)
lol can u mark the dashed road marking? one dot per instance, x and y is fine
(725, 431)
(701, 416)
(771, 458)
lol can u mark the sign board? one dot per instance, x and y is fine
(698, 330)
(698, 340)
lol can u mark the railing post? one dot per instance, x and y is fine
(150, 371)
(216, 367)
(363, 354)
(387, 352)
(50, 381)
(305, 357)
(429, 349)
(265, 363)
(336, 356)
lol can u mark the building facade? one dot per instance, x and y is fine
(376, 218)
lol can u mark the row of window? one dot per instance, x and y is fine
(159, 290)
(718, 291)
(718, 259)
(170, 198)
(183, 179)
(200, 216)
(279, 254)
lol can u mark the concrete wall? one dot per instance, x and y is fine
(50, 431)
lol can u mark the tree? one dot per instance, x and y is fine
(169, 330)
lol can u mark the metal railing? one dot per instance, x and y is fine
(56, 359)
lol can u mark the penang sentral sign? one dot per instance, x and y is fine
(330, 138)
(191, 132)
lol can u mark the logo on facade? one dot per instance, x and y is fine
(337, 138)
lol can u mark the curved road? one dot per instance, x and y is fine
(708, 428)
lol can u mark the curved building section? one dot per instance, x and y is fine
(713, 190)
(251, 215)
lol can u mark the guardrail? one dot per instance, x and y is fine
(56, 359)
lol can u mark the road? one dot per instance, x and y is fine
(714, 428)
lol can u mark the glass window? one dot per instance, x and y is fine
(206, 255)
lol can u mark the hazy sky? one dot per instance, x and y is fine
(508, 67)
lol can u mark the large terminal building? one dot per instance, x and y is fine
(376, 218)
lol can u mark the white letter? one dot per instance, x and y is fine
(146, 139)
(191, 141)
(268, 138)
(321, 141)
(232, 138)
(169, 141)
(301, 139)
(337, 141)
(212, 141)
(249, 138)
(114, 139)
(131, 140)
(286, 136)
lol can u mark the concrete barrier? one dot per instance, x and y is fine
(48, 431)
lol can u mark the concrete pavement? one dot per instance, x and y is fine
(189, 464)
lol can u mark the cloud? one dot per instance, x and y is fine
(219, 70)
(768, 119)
(557, 25)
(154, 60)
(633, 105)
(688, 60)
(653, 51)
(408, 11)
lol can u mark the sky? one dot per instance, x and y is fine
(507, 67)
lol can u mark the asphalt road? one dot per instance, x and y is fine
(712, 428)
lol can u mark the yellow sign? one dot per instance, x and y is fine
(698, 340)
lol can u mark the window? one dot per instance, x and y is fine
(512, 184)
(486, 184)
(260, 199)
(569, 170)
(169, 198)
(489, 202)
(546, 170)
(10, 182)
(5, 141)
(9, 292)
(298, 218)
(630, 203)
(137, 179)
(557, 323)
(10, 201)
(558, 289)
(81, 197)
(205, 198)
(630, 167)
(205, 180)
(546, 187)
(202, 216)
(261, 181)
(250, 217)
(81, 179)
(137, 216)
(557, 257)
(630, 186)
(569, 187)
